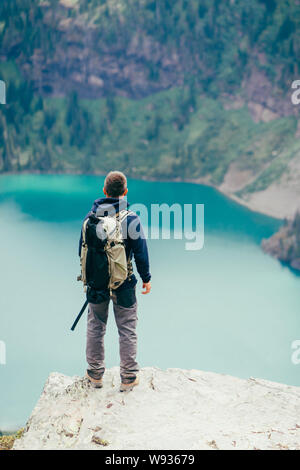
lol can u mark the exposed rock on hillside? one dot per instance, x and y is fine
(134, 51)
(285, 244)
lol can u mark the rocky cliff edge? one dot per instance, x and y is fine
(172, 409)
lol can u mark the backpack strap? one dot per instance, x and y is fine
(84, 232)
(122, 215)
(83, 253)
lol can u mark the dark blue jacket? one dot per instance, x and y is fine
(136, 247)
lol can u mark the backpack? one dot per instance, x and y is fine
(102, 256)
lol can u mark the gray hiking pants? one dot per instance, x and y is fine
(126, 320)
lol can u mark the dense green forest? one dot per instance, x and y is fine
(187, 120)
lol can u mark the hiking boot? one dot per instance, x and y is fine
(129, 386)
(95, 383)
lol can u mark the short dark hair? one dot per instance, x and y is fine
(115, 184)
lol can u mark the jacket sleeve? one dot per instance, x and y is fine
(139, 248)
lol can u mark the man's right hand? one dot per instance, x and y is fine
(147, 287)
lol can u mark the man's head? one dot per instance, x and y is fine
(115, 184)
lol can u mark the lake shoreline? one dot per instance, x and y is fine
(198, 181)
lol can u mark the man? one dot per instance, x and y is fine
(124, 297)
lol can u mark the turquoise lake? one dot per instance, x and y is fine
(228, 308)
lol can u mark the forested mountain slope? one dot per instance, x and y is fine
(174, 89)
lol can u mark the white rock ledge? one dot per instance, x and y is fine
(172, 409)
